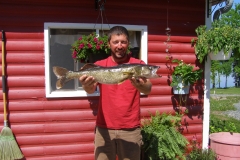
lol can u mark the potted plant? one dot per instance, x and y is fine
(90, 48)
(162, 138)
(183, 76)
(87, 45)
(220, 37)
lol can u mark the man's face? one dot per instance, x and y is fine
(118, 45)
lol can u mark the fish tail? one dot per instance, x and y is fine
(61, 74)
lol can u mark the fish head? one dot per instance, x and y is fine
(149, 71)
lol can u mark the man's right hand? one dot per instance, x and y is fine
(88, 83)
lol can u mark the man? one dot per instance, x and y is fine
(118, 120)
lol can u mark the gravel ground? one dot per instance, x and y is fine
(234, 114)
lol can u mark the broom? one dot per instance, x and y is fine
(9, 149)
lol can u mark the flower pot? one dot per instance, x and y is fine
(220, 55)
(96, 57)
(226, 145)
(181, 88)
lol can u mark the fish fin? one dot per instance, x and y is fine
(88, 65)
(60, 83)
(61, 76)
(129, 74)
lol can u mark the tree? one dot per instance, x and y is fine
(233, 18)
(226, 68)
(215, 66)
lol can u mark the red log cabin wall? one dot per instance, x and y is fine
(64, 128)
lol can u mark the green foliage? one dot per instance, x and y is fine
(221, 68)
(88, 44)
(221, 126)
(227, 67)
(215, 68)
(198, 153)
(237, 70)
(161, 138)
(217, 117)
(202, 154)
(224, 104)
(219, 37)
(185, 73)
(220, 122)
(232, 18)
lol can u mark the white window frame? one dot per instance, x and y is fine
(82, 93)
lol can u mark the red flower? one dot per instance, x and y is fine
(89, 45)
(95, 40)
(74, 54)
(97, 47)
(81, 46)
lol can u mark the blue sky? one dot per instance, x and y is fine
(236, 1)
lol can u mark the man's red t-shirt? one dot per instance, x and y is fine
(119, 104)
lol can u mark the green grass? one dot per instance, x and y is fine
(218, 105)
(231, 90)
(217, 117)
(224, 104)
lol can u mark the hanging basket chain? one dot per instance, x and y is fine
(101, 11)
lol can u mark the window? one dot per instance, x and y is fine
(58, 38)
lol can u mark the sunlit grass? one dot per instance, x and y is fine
(226, 118)
(219, 104)
(224, 103)
(232, 90)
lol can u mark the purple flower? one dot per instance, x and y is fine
(80, 38)
(81, 46)
(89, 45)
(74, 54)
(100, 42)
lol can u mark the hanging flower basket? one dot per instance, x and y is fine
(181, 88)
(183, 76)
(89, 45)
(90, 48)
(219, 37)
(220, 55)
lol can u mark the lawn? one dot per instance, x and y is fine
(219, 121)
(232, 90)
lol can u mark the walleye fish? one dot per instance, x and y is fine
(106, 75)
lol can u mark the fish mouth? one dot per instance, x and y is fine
(155, 72)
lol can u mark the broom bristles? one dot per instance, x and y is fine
(9, 149)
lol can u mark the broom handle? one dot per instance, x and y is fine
(4, 79)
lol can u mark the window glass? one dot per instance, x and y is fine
(58, 38)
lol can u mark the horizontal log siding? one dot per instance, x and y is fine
(27, 15)
(64, 128)
(161, 97)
